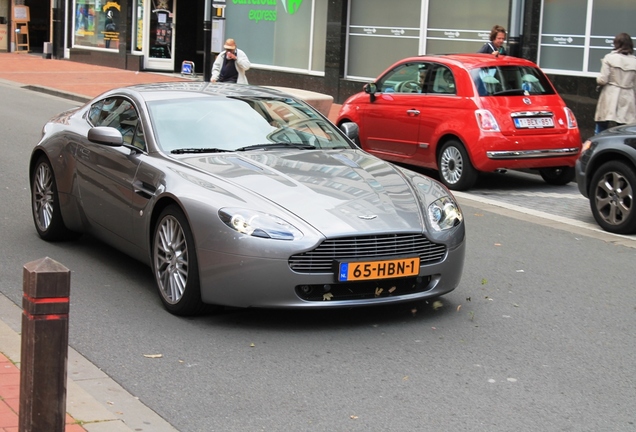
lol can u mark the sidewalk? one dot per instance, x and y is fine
(94, 402)
(78, 81)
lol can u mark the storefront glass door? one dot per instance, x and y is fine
(161, 35)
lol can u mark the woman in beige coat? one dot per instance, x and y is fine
(617, 101)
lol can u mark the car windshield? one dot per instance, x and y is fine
(240, 123)
(510, 80)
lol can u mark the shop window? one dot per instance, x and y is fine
(138, 27)
(577, 34)
(96, 24)
(466, 29)
(281, 35)
(381, 33)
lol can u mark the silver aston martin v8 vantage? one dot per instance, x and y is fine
(244, 196)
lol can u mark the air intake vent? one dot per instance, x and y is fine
(320, 260)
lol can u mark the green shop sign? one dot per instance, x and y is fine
(265, 14)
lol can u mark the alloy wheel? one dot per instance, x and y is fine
(171, 259)
(613, 198)
(43, 196)
(451, 165)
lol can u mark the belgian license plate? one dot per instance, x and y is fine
(534, 122)
(366, 270)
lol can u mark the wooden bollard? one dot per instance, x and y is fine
(44, 351)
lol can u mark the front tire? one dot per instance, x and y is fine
(175, 264)
(455, 169)
(612, 197)
(557, 176)
(45, 203)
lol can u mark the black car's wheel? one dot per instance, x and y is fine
(45, 203)
(455, 169)
(557, 176)
(612, 197)
(175, 264)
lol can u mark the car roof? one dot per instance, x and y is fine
(471, 60)
(186, 89)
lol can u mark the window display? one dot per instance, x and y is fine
(289, 35)
(96, 24)
(576, 34)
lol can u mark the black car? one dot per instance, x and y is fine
(606, 175)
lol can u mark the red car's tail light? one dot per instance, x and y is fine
(486, 121)
(569, 115)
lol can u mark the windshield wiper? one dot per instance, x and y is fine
(510, 92)
(277, 145)
(199, 150)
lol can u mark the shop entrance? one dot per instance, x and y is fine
(161, 35)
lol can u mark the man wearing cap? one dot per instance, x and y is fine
(230, 65)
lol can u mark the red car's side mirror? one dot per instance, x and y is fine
(371, 89)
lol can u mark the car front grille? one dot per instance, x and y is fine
(321, 259)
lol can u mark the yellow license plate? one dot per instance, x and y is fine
(365, 270)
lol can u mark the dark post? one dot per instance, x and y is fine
(515, 24)
(44, 351)
(207, 41)
(58, 29)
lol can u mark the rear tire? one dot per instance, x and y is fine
(45, 203)
(175, 264)
(557, 176)
(455, 169)
(612, 197)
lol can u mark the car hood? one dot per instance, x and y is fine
(336, 191)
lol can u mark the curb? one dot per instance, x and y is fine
(54, 92)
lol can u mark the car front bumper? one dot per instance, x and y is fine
(240, 281)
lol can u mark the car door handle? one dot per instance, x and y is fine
(412, 112)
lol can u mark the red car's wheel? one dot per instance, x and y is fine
(455, 169)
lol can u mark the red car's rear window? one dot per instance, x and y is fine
(510, 80)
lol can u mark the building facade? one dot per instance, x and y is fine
(334, 46)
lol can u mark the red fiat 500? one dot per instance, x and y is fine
(463, 114)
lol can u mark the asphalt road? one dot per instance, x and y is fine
(538, 336)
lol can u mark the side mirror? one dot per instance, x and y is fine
(105, 135)
(351, 130)
(371, 89)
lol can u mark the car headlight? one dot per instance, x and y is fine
(444, 214)
(258, 224)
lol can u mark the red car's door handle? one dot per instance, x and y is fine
(413, 112)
